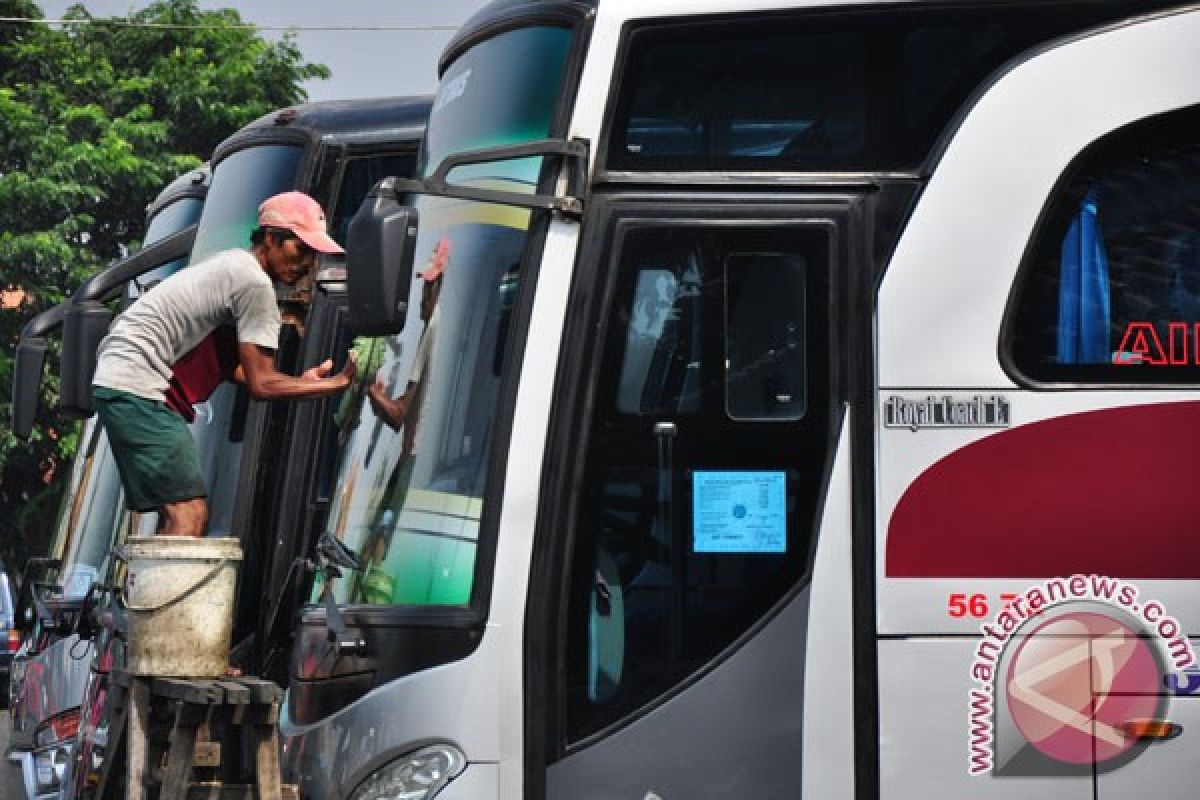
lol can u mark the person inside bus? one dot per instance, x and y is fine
(155, 454)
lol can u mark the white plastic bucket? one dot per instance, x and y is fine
(179, 594)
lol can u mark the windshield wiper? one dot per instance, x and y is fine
(332, 558)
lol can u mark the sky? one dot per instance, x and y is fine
(364, 63)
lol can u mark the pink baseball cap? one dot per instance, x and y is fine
(438, 260)
(300, 214)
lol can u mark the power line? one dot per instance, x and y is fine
(117, 23)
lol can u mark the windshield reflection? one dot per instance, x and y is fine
(418, 427)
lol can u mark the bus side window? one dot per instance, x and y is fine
(359, 175)
(1111, 293)
(764, 334)
(661, 350)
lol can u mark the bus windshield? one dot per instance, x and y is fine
(93, 516)
(239, 185)
(417, 429)
(171, 219)
(91, 511)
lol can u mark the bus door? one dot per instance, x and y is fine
(301, 487)
(699, 412)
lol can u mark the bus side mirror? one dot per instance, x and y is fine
(84, 325)
(27, 380)
(379, 255)
(29, 365)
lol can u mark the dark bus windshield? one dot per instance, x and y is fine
(92, 506)
(868, 89)
(171, 219)
(417, 430)
(240, 183)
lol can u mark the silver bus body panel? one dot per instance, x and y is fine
(923, 735)
(1006, 157)
(828, 756)
(329, 758)
(477, 704)
(1169, 766)
(756, 693)
(941, 306)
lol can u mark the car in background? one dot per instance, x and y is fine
(10, 637)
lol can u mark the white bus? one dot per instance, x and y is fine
(793, 400)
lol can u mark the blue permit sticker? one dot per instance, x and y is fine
(739, 511)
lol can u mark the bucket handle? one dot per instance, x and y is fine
(186, 593)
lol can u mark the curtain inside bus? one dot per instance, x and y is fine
(1084, 303)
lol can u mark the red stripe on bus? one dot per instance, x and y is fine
(1112, 492)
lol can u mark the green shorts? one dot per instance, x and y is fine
(153, 448)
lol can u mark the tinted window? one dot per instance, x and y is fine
(765, 360)
(1113, 286)
(762, 327)
(74, 497)
(502, 91)
(359, 176)
(348, 407)
(857, 91)
(418, 426)
(95, 524)
(169, 220)
(698, 506)
(239, 185)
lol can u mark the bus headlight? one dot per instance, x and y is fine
(418, 775)
(50, 765)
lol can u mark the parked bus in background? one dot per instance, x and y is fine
(755, 355)
(262, 460)
(54, 660)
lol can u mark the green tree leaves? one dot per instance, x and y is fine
(95, 119)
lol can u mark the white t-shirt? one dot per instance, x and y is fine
(167, 322)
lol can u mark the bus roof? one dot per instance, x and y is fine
(500, 14)
(193, 183)
(362, 120)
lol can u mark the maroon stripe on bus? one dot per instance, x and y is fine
(1113, 492)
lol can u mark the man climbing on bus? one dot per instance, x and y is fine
(164, 353)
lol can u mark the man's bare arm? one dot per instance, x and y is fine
(257, 371)
(392, 411)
